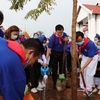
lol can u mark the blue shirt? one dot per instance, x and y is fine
(54, 43)
(90, 50)
(12, 75)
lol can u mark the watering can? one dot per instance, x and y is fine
(44, 70)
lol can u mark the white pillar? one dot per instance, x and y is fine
(77, 27)
(98, 24)
(81, 27)
(91, 27)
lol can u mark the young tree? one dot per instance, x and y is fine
(74, 68)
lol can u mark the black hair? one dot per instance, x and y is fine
(79, 33)
(34, 44)
(1, 17)
(59, 27)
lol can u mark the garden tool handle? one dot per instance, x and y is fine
(64, 57)
(81, 73)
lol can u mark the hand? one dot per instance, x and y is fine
(44, 64)
(66, 39)
(82, 70)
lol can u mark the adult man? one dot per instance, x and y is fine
(56, 48)
(14, 57)
(89, 60)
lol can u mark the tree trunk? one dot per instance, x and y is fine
(74, 67)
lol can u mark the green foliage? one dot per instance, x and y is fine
(18, 4)
(44, 5)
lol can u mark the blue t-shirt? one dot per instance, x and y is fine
(12, 75)
(54, 43)
(90, 50)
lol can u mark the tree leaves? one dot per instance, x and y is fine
(44, 5)
(18, 4)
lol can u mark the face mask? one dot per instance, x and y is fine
(98, 47)
(95, 41)
(14, 37)
(35, 37)
(20, 33)
(44, 44)
(80, 43)
(27, 62)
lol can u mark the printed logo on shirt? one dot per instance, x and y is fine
(85, 50)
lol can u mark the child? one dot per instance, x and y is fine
(97, 75)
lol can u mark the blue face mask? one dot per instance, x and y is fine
(44, 44)
(27, 62)
(80, 43)
(35, 37)
(95, 41)
(98, 47)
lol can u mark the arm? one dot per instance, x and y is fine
(48, 53)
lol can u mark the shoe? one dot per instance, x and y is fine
(95, 90)
(67, 86)
(99, 92)
(34, 90)
(98, 87)
(40, 85)
(88, 93)
(79, 89)
(39, 89)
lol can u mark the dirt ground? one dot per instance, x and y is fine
(50, 94)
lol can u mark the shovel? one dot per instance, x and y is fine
(61, 81)
(85, 89)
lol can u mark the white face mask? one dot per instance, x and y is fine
(14, 37)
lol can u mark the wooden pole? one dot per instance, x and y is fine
(74, 67)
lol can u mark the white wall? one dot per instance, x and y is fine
(98, 24)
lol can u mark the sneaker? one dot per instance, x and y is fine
(39, 89)
(95, 90)
(79, 89)
(98, 87)
(40, 85)
(88, 93)
(34, 90)
(99, 92)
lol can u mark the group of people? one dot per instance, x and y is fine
(21, 59)
(20, 55)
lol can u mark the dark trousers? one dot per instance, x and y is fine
(27, 75)
(56, 57)
(34, 74)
